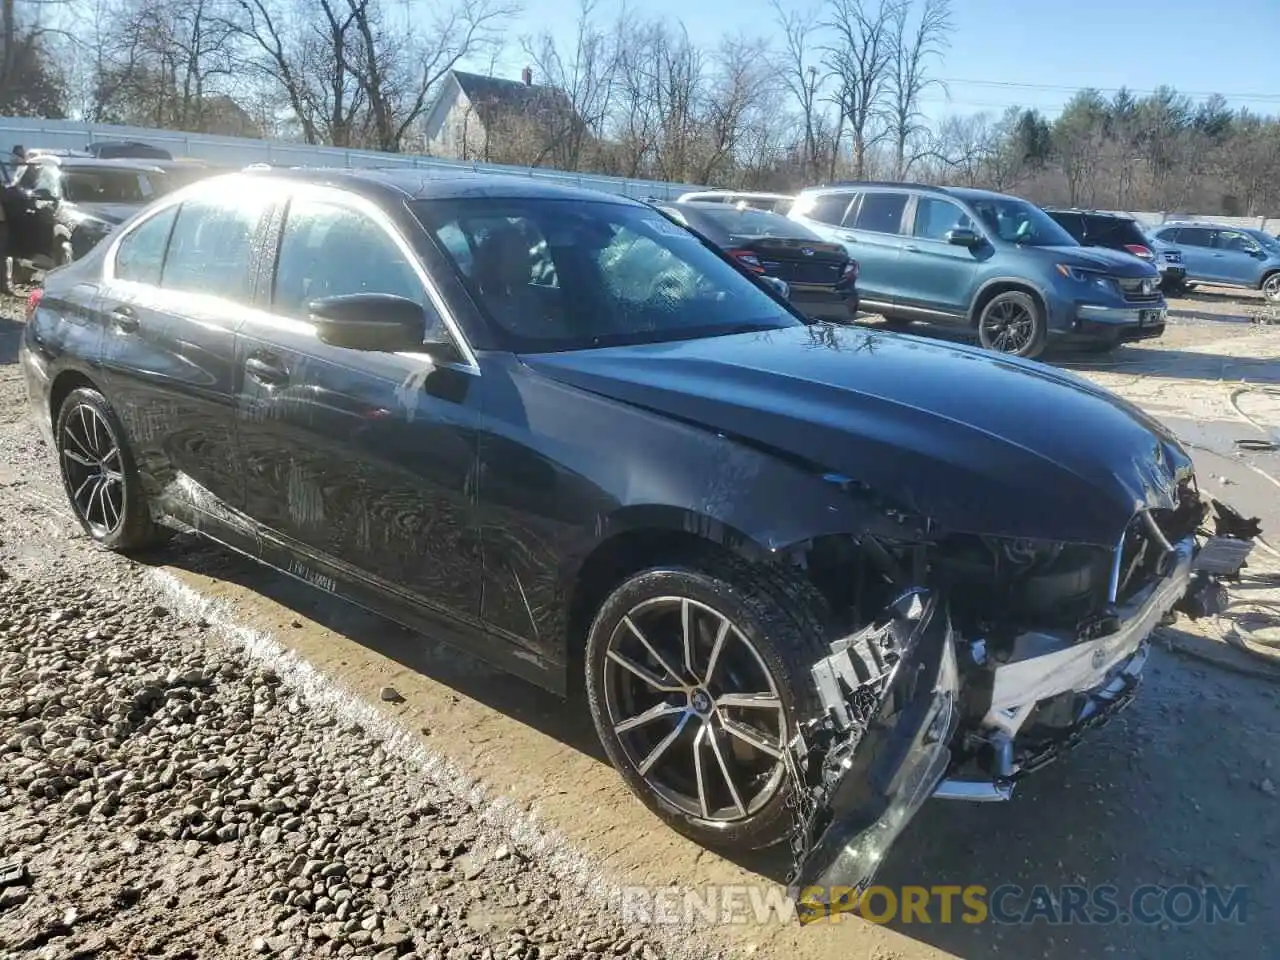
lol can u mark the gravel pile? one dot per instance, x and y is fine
(162, 794)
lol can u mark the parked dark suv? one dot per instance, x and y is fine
(987, 261)
(64, 205)
(1115, 231)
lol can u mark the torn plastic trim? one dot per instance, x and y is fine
(891, 694)
(1050, 663)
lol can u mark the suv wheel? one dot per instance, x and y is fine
(1271, 287)
(696, 679)
(1013, 323)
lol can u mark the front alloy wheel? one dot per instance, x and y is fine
(1012, 323)
(695, 687)
(1271, 288)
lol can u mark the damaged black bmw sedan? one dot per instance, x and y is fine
(809, 575)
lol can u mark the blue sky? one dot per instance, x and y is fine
(1030, 52)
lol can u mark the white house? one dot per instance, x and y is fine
(476, 117)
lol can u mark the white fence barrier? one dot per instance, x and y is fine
(239, 151)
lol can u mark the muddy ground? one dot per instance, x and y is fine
(1179, 790)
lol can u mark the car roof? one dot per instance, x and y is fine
(961, 193)
(1109, 214)
(95, 163)
(418, 185)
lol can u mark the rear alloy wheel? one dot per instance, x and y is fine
(1271, 287)
(99, 475)
(695, 687)
(1013, 323)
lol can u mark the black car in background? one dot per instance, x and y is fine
(821, 276)
(126, 150)
(1115, 231)
(62, 206)
(809, 575)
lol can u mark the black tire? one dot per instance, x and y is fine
(782, 619)
(1019, 316)
(111, 508)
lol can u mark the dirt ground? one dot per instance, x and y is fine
(1180, 789)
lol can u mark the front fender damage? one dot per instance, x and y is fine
(917, 704)
(863, 770)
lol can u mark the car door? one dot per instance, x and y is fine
(1197, 252)
(177, 286)
(939, 276)
(873, 235)
(359, 464)
(1238, 258)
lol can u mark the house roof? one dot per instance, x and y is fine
(493, 97)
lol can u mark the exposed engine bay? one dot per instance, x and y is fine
(988, 660)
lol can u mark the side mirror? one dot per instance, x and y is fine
(369, 321)
(780, 287)
(964, 237)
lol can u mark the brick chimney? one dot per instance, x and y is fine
(527, 76)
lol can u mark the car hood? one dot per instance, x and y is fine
(1117, 263)
(112, 213)
(975, 441)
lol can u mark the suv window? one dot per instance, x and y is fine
(881, 212)
(211, 248)
(1120, 230)
(830, 207)
(1195, 236)
(330, 250)
(1073, 223)
(140, 256)
(1235, 241)
(936, 218)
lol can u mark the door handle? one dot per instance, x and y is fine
(911, 248)
(268, 371)
(848, 237)
(124, 319)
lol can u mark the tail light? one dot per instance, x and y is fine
(33, 301)
(748, 259)
(1138, 250)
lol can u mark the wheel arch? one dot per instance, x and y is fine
(1267, 275)
(62, 386)
(998, 285)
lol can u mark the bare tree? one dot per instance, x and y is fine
(915, 44)
(803, 78)
(859, 56)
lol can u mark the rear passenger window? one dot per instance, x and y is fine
(140, 256)
(936, 218)
(1195, 236)
(882, 212)
(211, 249)
(830, 208)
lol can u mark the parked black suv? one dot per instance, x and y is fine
(62, 206)
(1115, 231)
